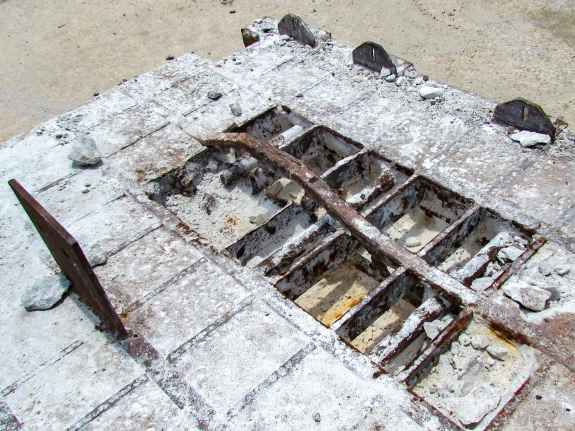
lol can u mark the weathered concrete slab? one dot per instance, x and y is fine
(149, 84)
(126, 128)
(248, 342)
(191, 94)
(144, 407)
(145, 265)
(84, 378)
(36, 161)
(156, 154)
(96, 111)
(166, 319)
(544, 189)
(479, 161)
(316, 385)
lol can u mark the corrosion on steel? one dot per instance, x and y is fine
(383, 248)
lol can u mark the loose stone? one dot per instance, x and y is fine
(214, 95)
(465, 340)
(430, 92)
(562, 270)
(84, 152)
(479, 342)
(385, 72)
(236, 109)
(529, 139)
(531, 297)
(413, 242)
(475, 405)
(45, 292)
(399, 82)
(497, 352)
(390, 78)
(317, 417)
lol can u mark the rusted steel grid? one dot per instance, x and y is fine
(71, 259)
(383, 248)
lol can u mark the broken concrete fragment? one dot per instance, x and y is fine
(293, 26)
(214, 95)
(236, 109)
(414, 241)
(478, 264)
(430, 92)
(562, 270)
(249, 37)
(400, 81)
(546, 266)
(509, 254)
(96, 254)
(384, 72)
(432, 329)
(85, 152)
(374, 57)
(475, 405)
(390, 78)
(479, 342)
(237, 169)
(499, 353)
(529, 139)
(531, 297)
(45, 292)
(481, 284)
(524, 115)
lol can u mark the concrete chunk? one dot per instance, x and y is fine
(45, 292)
(531, 297)
(85, 152)
(475, 405)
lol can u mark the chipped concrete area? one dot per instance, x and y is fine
(247, 305)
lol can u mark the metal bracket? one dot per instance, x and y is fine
(71, 259)
(374, 57)
(525, 115)
(293, 26)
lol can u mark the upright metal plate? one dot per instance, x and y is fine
(525, 115)
(71, 259)
(374, 57)
(293, 26)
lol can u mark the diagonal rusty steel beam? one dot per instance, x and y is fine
(384, 248)
(71, 259)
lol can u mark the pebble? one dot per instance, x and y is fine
(411, 74)
(316, 417)
(562, 270)
(170, 57)
(430, 92)
(531, 297)
(497, 352)
(284, 37)
(84, 152)
(236, 109)
(252, 219)
(528, 139)
(96, 254)
(390, 78)
(490, 362)
(85, 191)
(413, 242)
(299, 95)
(418, 81)
(475, 405)
(214, 95)
(384, 72)
(479, 342)
(258, 21)
(399, 82)
(465, 340)
(546, 267)
(45, 292)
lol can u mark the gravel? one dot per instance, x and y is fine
(214, 95)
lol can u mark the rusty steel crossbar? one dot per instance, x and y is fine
(383, 248)
(71, 259)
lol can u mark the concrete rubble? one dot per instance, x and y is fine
(413, 245)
